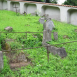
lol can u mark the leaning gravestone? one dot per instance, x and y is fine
(48, 27)
(1, 60)
(8, 28)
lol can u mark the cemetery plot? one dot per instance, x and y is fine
(39, 67)
(15, 46)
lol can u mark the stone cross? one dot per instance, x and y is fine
(48, 27)
(1, 60)
(15, 8)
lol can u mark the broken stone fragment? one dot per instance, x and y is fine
(8, 28)
(59, 51)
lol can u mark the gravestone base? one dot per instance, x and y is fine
(1, 60)
(46, 36)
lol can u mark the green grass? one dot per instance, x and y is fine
(56, 67)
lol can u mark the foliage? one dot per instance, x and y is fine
(51, 1)
(2, 38)
(71, 2)
(47, 1)
(2, 1)
(56, 67)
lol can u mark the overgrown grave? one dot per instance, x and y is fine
(15, 47)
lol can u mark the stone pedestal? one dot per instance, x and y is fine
(48, 27)
(1, 60)
(46, 36)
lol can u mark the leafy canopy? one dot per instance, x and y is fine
(71, 2)
(47, 1)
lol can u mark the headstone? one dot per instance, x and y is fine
(41, 20)
(55, 35)
(48, 27)
(46, 16)
(8, 28)
(1, 60)
(59, 51)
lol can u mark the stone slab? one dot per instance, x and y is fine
(1, 60)
(59, 51)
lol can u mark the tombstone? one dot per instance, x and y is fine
(48, 27)
(8, 28)
(46, 16)
(41, 20)
(55, 35)
(1, 60)
(59, 51)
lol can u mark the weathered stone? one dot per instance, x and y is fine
(46, 36)
(21, 58)
(1, 60)
(48, 27)
(8, 28)
(6, 47)
(46, 16)
(59, 51)
(65, 36)
(41, 20)
(55, 35)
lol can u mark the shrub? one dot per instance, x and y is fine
(2, 38)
